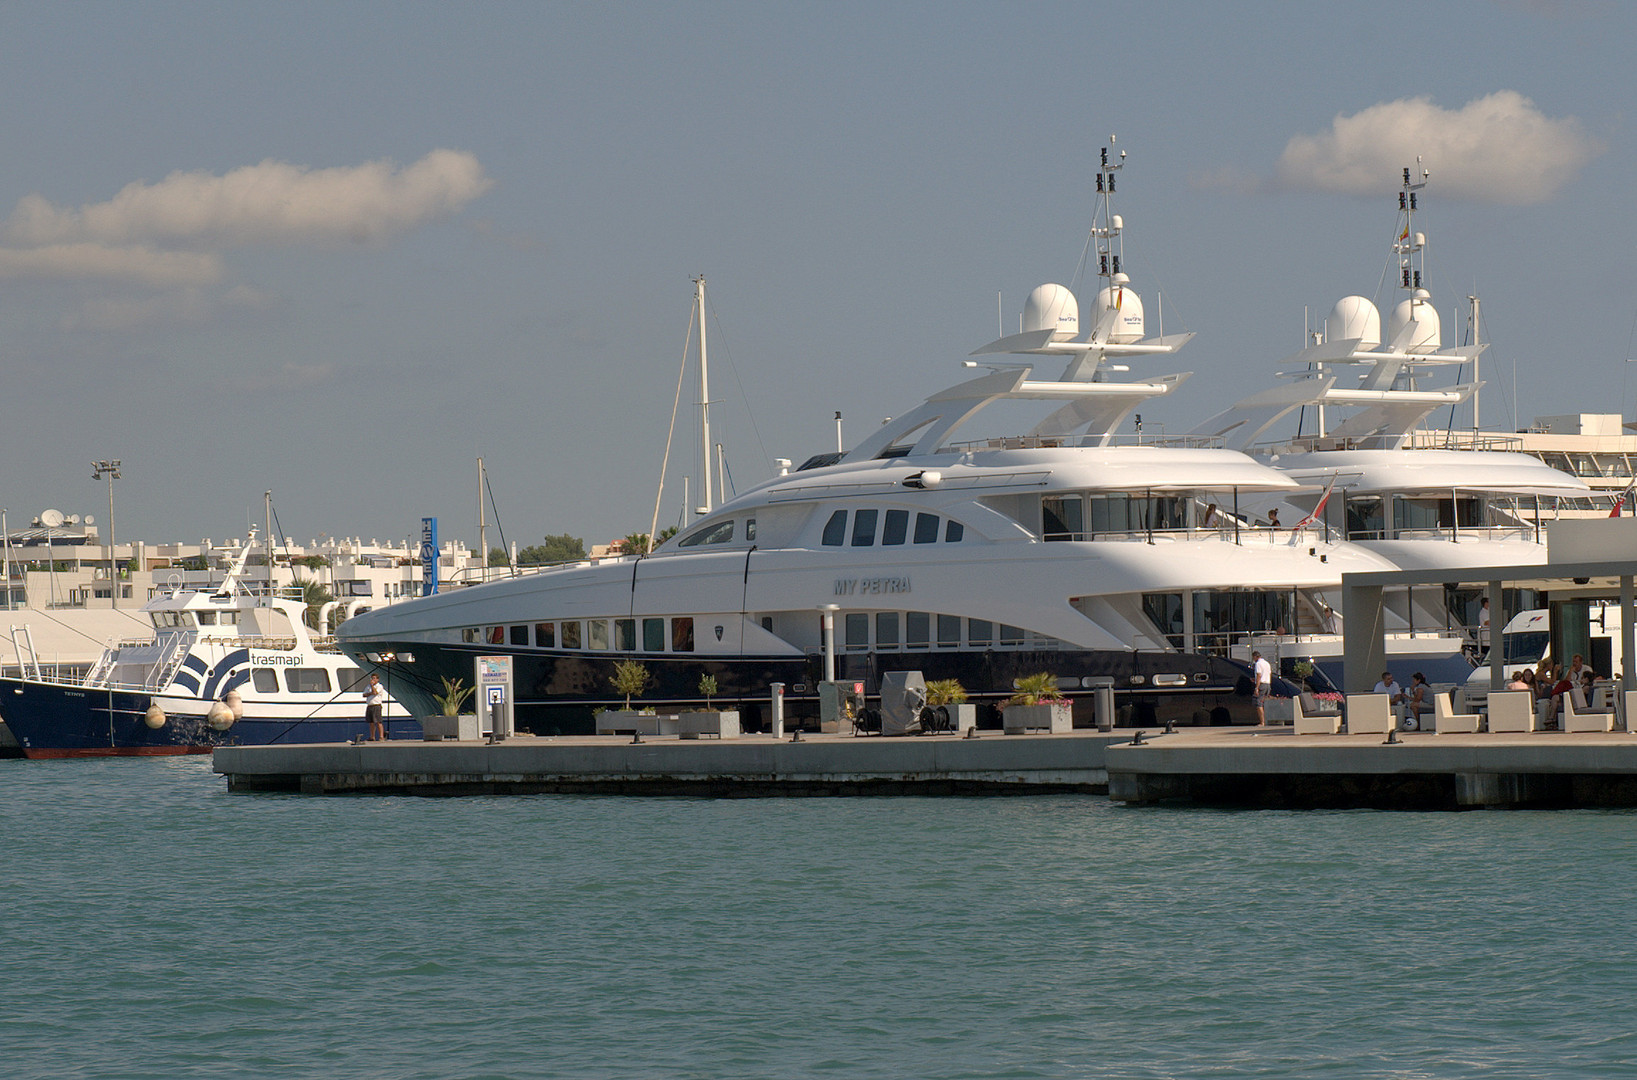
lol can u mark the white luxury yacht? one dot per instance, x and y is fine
(1373, 475)
(1061, 549)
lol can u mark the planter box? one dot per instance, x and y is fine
(620, 722)
(1054, 719)
(722, 724)
(462, 727)
(1278, 710)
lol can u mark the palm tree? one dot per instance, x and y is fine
(315, 594)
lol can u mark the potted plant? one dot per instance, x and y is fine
(451, 723)
(1036, 705)
(949, 696)
(723, 723)
(631, 678)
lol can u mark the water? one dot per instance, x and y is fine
(157, 927)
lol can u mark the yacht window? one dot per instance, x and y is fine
(597, 633)
(682, 635)
(470, 634)
(207, 618)
(895, 528)
(767, 623)
(835, 530)
(545, 635)
(858, 630)
(307, 680)
(351, 678)
(720, 532)
(864, 528)
(980, 632)
(1062, 517)
(953, 532)
(917, 629)
(1365, 520)
(520, 635)
(750, 528)
(926, 528)
(265, 680)
(949, 631)
(571, 635)
(228, 618)
(1010, 635)
(185, 618)
(653, 635)
(497, 635)
(625, 635)
(886, 629)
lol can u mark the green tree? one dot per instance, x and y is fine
(497, 557)
(315, 595)
(630, 677)
(564, 548)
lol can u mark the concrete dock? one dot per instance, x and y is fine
(1274, 768)
(754, 765)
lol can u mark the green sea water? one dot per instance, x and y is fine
(157, 927)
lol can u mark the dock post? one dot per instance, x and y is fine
(778, 711)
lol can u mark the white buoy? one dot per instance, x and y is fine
(220, 717)
(235, 703)
(154, 717)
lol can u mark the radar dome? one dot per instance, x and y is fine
(1419, 310)
(1354, 317)
(1052, 307)
(1128, 324)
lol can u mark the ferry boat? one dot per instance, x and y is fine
(1376, 476)
(1064, 549)
(223, 666)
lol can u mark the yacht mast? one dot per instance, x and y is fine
(705, 455)
(482, 527)
(267, 530)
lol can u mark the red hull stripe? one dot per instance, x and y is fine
(42, 754)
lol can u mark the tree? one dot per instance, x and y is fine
(315, 595)
(635, 544)
(630, 677)
(498, 557)
(311, 562)
(564, 548)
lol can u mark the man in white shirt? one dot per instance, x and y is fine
(1483, 623)
(375, 696)
(1395, 693)
(1264, 684)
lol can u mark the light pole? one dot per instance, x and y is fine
(110, 469)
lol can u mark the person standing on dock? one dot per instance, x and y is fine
(375, 696)
(1264, 685)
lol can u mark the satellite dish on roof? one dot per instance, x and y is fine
(73, 519)
(51, 519)
(89, 520)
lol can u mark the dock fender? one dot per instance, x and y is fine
(154, 717)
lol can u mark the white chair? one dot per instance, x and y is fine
(1317, 724)
(1577, 716)
(1512, 712)
(1369, 714)
(1447, 721)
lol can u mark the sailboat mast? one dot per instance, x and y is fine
(267, 527)
(704, 396)
(482, 527)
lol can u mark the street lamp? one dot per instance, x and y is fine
(110, 469)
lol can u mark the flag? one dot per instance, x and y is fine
(1317, 510)
(1620, 501)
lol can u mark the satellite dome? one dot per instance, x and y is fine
(1052, 307)
(1354, 317)
(1128, 324)
(1419, 310)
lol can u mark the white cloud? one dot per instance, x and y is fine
(1498, 148)
(273, 202)
(138, 265)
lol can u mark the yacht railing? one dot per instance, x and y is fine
(1051, 442)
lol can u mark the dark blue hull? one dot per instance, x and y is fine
(53, 720)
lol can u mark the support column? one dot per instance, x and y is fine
(1628, 635)
(1497, 622)
(1364, 637)
(1188, 621)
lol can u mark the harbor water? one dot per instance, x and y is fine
(158, 927)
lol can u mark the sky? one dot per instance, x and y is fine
(341, 251)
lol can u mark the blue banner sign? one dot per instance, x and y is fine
(429, 556)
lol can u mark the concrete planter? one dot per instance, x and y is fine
(1054, 719)
(722, 724)
(620, 722)
(462, 727)
(1278, 710)
(962, 716)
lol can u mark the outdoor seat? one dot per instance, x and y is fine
(1577, 716)
(1512, 711)
(1369, 714)
(1315, 723)
(1446, 721)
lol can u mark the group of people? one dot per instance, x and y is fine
(1549, 682)
(1412, 703)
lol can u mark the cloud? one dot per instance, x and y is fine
(1498, 148)
(136, 265)
(273, 202)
